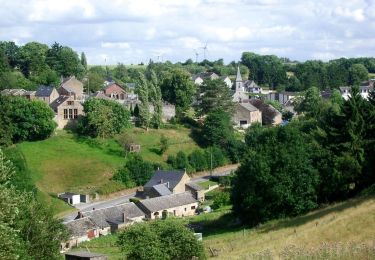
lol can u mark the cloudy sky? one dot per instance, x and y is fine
(131, 31)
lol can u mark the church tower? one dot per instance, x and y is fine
(239, 83)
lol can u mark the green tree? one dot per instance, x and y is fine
(144, 106)
(103, 118)
(29, 120)
(94, 82)
(135, 172)
(167, 239)
(156, 100)
(30, 230)
(10, 49)
(177, 88)
(311, 103)
(32, 58)
(212, 95)
(217, 128)
(84, 61)
(276, 178)
(357, 74)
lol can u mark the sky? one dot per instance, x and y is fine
(134, 31)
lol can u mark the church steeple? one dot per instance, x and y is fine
(239, 83)
(238, 77)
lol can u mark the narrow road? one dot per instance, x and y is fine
(125, 198)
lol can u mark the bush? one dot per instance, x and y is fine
(135, 172)
(162, 239)
(221, 199)
(198, 161)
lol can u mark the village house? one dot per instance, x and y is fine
(252, 87)
(270, 115)
(165, 183)
(67, 110)
(81, 230)
(197, 191)
(227, 81)
(199, 78)
(178, 205)
(72, 87)
(46, 94)
(245, 115)
(109, 220)
(364, 90)
(283, 98)
(115, 92)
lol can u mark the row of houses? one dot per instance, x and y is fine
(167, 193)
(66, 101)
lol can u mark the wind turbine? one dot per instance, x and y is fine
(196, 55)
(205, 49)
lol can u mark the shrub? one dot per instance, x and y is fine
(221, 199)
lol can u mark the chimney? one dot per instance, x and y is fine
(80, 215)
(93, 208)
(161, 181)
(168, 184)
(123, 217)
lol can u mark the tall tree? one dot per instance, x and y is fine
(143, 95)
(84, 61)
(177, 88)
(357, 74)
(32, 58)
(155, 98)
(212, 95)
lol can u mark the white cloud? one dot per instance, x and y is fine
(133, 31)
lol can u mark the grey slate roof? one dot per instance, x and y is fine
(44, 91)
(172, 177)
(56, 103)
(194, 186)
(67, 195)
(167, 202)
(115, 214)
(162, 189)
(13, 91)
(79, 227)
(101, 96)
(238, 76)
(248, 107)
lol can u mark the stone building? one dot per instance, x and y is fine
(178, 205)
(245, 115)
(67, 110)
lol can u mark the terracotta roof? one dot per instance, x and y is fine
(167, 202)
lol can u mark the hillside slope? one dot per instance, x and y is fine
(338, 226)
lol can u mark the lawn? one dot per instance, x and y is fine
(340, 231)
(179, 140)
(206, 184)
(65, 162)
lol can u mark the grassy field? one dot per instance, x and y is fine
(206, 184)
(65, 162)
(340, 231)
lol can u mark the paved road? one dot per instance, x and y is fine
(123, 199)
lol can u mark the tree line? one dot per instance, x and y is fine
(280, 73)
(325, 155)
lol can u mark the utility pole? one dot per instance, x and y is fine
(211, 163)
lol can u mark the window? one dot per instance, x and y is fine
(192, 207)
(184, 209)
(243, 122)
(65, 113)
(70, 113)
(70, 103)
(75, 113)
